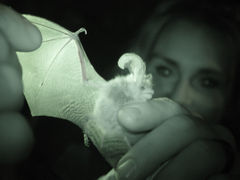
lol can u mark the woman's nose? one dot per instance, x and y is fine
(182, 94)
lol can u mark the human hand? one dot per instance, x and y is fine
(16, 34)
(172, 135)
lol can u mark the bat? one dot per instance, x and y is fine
(102, 127)
(59, 81)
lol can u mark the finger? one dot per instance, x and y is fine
(16, 138)
(210, 159)
(159, 145)
(7, 55)
(111, 175)
(11, 88)
(5, 49)
(226, 136)
(19, 32)
(145, 116)
(133, 137)
(14, 63)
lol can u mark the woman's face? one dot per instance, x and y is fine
(191, 64)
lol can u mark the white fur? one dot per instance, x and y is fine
(135, 87)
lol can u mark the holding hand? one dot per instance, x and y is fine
(182, 145)
(16, 34)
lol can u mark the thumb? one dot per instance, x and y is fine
(19, 32)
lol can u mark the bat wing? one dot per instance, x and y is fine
(53, 75)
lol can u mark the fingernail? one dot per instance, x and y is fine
(35, 36)
(126, 170)
(127, 116)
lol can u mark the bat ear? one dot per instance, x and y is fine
(134, 64)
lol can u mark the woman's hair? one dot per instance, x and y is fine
(219, 16)
(222, 17)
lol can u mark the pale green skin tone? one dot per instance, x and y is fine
(18, 39)
(16, 137)
(196, 75)
(190, 64)
(165, 125)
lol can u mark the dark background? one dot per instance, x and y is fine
(110, 24)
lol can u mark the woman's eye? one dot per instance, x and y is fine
(209, 83)
(164, 71)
